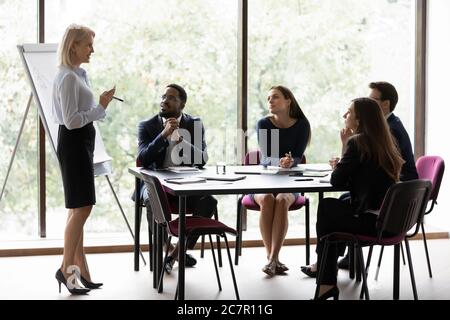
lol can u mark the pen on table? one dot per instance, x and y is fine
(304, 179)
(121, 100)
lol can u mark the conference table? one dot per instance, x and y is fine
(256, 182)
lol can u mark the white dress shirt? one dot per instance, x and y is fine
(172, 157)
(73, 103)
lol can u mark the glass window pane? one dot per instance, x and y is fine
(141, 46)
(327, 52)
(18, 207)
(438, 64)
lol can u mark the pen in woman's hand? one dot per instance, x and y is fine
(121, 100)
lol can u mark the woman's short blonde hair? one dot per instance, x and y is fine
(74, 34)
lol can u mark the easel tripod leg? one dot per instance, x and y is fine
(17, 144)
(124, 216)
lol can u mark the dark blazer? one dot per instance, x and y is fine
(409, 171)
(367, 182)
(152, 146)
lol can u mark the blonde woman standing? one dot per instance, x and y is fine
(75, 109)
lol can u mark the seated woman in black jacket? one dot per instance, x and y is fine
(370, 164)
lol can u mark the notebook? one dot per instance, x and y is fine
(287, 170)
(318, 167)
(223, 177)
(310, 174)
(254, 170)
(185, 180)
(182, 169)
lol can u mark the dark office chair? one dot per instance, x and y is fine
(429, 168)
(174, 209)
(195, 226)
(403, 208)
(246, 202)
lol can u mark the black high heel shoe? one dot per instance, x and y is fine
(307, 270)
(90, 285)
(333, 292)
(61, 279)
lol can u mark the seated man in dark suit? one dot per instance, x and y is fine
(174, 138)
(387, 97)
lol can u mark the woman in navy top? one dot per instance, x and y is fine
(282, 138)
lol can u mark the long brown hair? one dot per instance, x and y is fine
(294, 108)
(374, 139)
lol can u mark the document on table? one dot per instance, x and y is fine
(326, 179)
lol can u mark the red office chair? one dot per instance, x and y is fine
(403, 208)
(194, 226)
(429, 168)
(246, 202)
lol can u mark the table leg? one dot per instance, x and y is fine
(137, 222)
(182, 245)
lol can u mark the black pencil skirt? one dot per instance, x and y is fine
(75, 153)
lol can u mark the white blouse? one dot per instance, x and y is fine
(73, 103)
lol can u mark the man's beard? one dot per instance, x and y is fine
(168, 114)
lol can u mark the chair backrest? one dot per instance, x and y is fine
(254, 158)
(158, 199)
(138, 191)
(431, 168)
(403, 207)
(303, 160)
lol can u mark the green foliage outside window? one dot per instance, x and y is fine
(326, 51)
